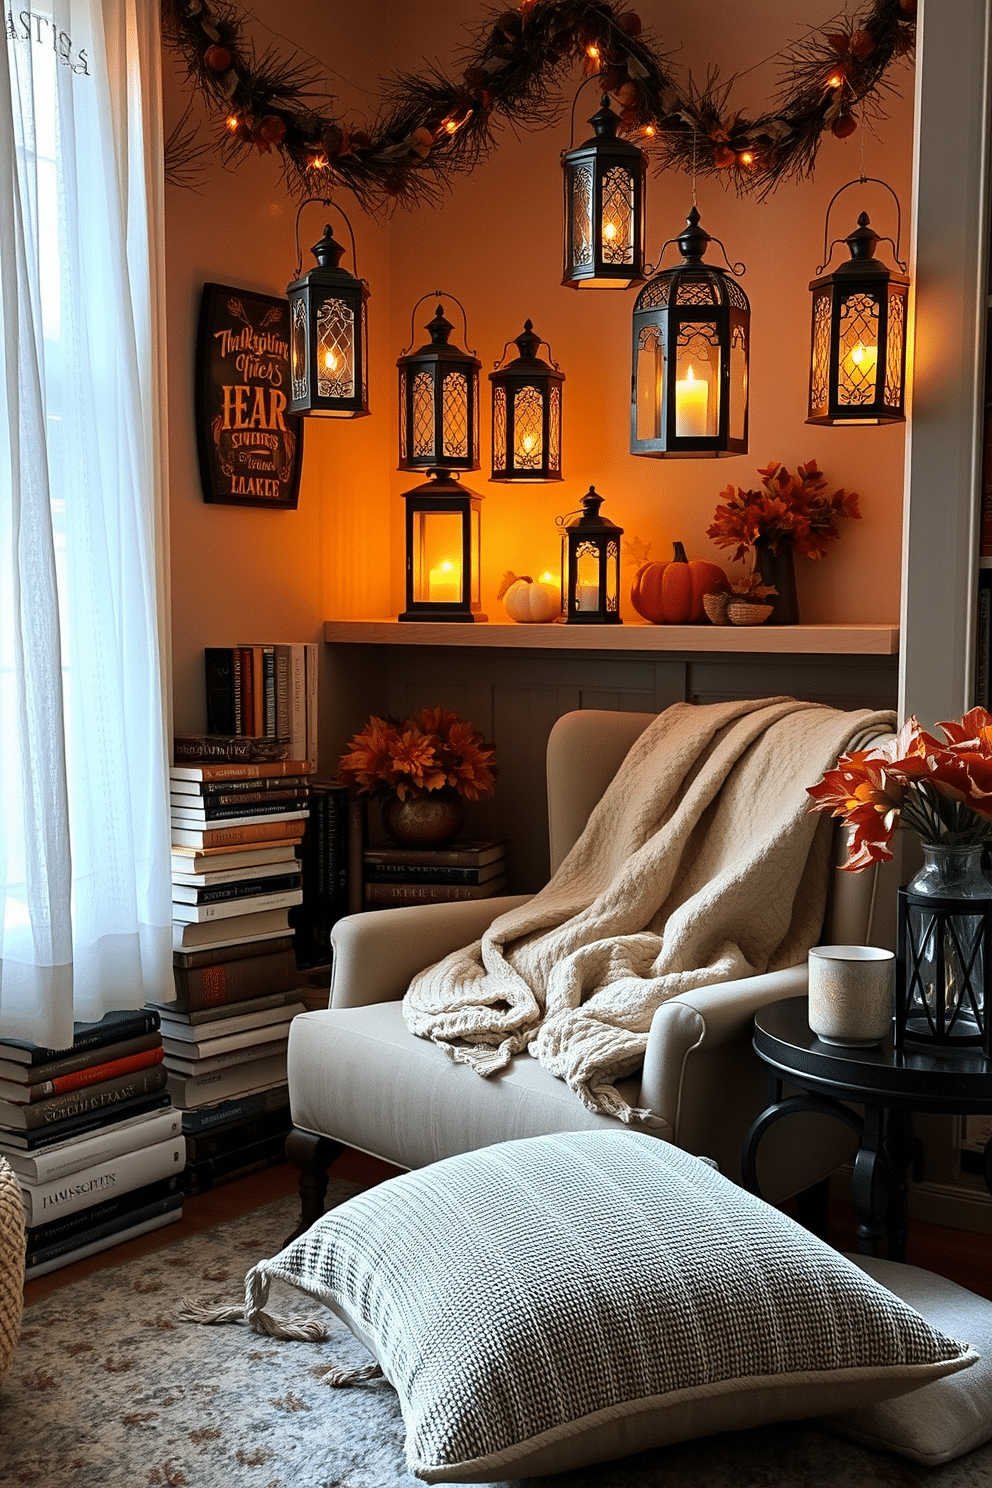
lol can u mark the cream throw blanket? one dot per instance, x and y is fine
(700, 864)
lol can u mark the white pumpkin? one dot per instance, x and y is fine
(529, 601)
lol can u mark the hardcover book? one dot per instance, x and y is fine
(212, 956)
(66, 1064)
(63, 1227)
(189, 1091)
(240, 749)
(393, 894)
(19, 1117)
(27, 1092)
(184, 1031)
(266, 923)
(234, 982)
(468, 854)
(226, 1109)
(432, 874)
(116, 1175)
(62, 1158)
(68, 1128)
(102, 1237)
(228, 908)
(272, 829)
(218, 768)
(112, 1029)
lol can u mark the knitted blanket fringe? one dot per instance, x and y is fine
(700, 864)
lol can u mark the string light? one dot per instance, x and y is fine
(746, 158)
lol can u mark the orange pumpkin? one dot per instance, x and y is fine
(672, 593)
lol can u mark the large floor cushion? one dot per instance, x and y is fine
(358, 1075)
(567, 1299)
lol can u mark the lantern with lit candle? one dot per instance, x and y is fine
(604, 208)
(442, 551)
(328, 333)
(590, 565)
(858, 355)
(692, 330)
(439, 399)
(527, 414)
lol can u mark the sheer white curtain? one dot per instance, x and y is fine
(85, 898)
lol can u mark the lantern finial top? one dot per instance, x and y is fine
(328, 252)
(693, 240)
(590, 520)
(440, 328)
(863, 241)
(604, 121)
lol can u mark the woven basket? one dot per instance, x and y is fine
(715, 606)
(11, 1264)
(745, 612)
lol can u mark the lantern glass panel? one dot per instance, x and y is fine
(298, 349)
(858, 349)
(697, 385)
(649, 382)
(475, 524)
(528, 428)
(820, 361)
(587, 576)
(454, 416)
(895, 348)
(335, 349)
(499, 428)
(738, 383)
(365, 355)
(437, 557)
(422, 422)
(554, 428)
(618, 216)
(581, 216)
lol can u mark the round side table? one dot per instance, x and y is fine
(889, 1084)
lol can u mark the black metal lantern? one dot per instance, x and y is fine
(604, 208)
(328, 333)
(439, 398)
(442, 551)
(590, 566)
(527, 414)
(692, 333)
(943, 957)
(858, 359)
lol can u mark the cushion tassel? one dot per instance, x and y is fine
(340, 1379)
(299, 1329)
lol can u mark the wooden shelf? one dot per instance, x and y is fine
(771, 640)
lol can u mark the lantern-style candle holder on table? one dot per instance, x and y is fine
(442, 551)
(590, 565)
(943, 956)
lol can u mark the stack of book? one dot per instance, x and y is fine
(403, 875)
(226, 1063)
(266, 690)
(92, 1137)
(330, 854)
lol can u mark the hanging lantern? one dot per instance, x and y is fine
(858, 358)
(442, 551)
(692, 330)
(439, 399)
(590, 566)
(604, 208)
(328, 333)
(527, 414)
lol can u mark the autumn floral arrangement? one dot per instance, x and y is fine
(941, 789)
(789, 510)
(430, 751)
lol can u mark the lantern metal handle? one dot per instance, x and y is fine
(737, 269)
(862, 181)
(440, 294)
(512, 342)
(605, 102)
(325, 201)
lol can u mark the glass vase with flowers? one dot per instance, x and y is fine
(790, 514)
(942, 790)
(423, 768)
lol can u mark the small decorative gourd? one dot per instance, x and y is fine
(529, 601)
(672, 593)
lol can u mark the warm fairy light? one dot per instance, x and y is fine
(592, 52)
(232, 122)
(648, 130)
(317, 162)
(835, 80)
(746, 157)
(452, 124)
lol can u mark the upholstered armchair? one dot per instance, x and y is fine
(358, 1078)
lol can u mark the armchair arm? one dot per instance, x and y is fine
(704, 1020)
(375, 956)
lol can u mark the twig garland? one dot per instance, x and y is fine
(431, 129)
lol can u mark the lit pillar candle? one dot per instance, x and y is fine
(691, 406)
(444, 583)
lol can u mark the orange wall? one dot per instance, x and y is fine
(495, 242)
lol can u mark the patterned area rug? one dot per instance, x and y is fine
(109, 1390)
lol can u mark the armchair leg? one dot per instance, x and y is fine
(312, 1156)
(812, 1207)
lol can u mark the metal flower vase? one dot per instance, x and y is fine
(945, 951)
(426, 821)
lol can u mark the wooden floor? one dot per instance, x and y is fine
(961, 1255)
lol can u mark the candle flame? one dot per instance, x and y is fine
(610, 231)
(330, 361)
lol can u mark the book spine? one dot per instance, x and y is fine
(983, 639)
(219, 669)
(248, 1051)
(298, 701)
(200, 1147)
(200, 1177)
(68, 1129)
(239, 766)
(236, 1108)
(46, 1201)
(416, 873)
(269, 691)
(250, 888)
(33, 1074)
(201, 914)
(88, 1036)
(61, 1160)
(210, 811)
(213, 956)
(65, 1225)
(95, 1074)
(262, 785)
(985, 534)
(65, 1252)
(281, 660)
(240, 1079)
(190, 751)
(265, 831)
(237, 692)
(357, 827)
(265, 1021)
(436, 857)
(82, 1102)
(312, 666)
(398, 893)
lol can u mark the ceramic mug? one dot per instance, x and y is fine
(851, 994)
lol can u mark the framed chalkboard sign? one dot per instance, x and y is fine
(250, 448)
